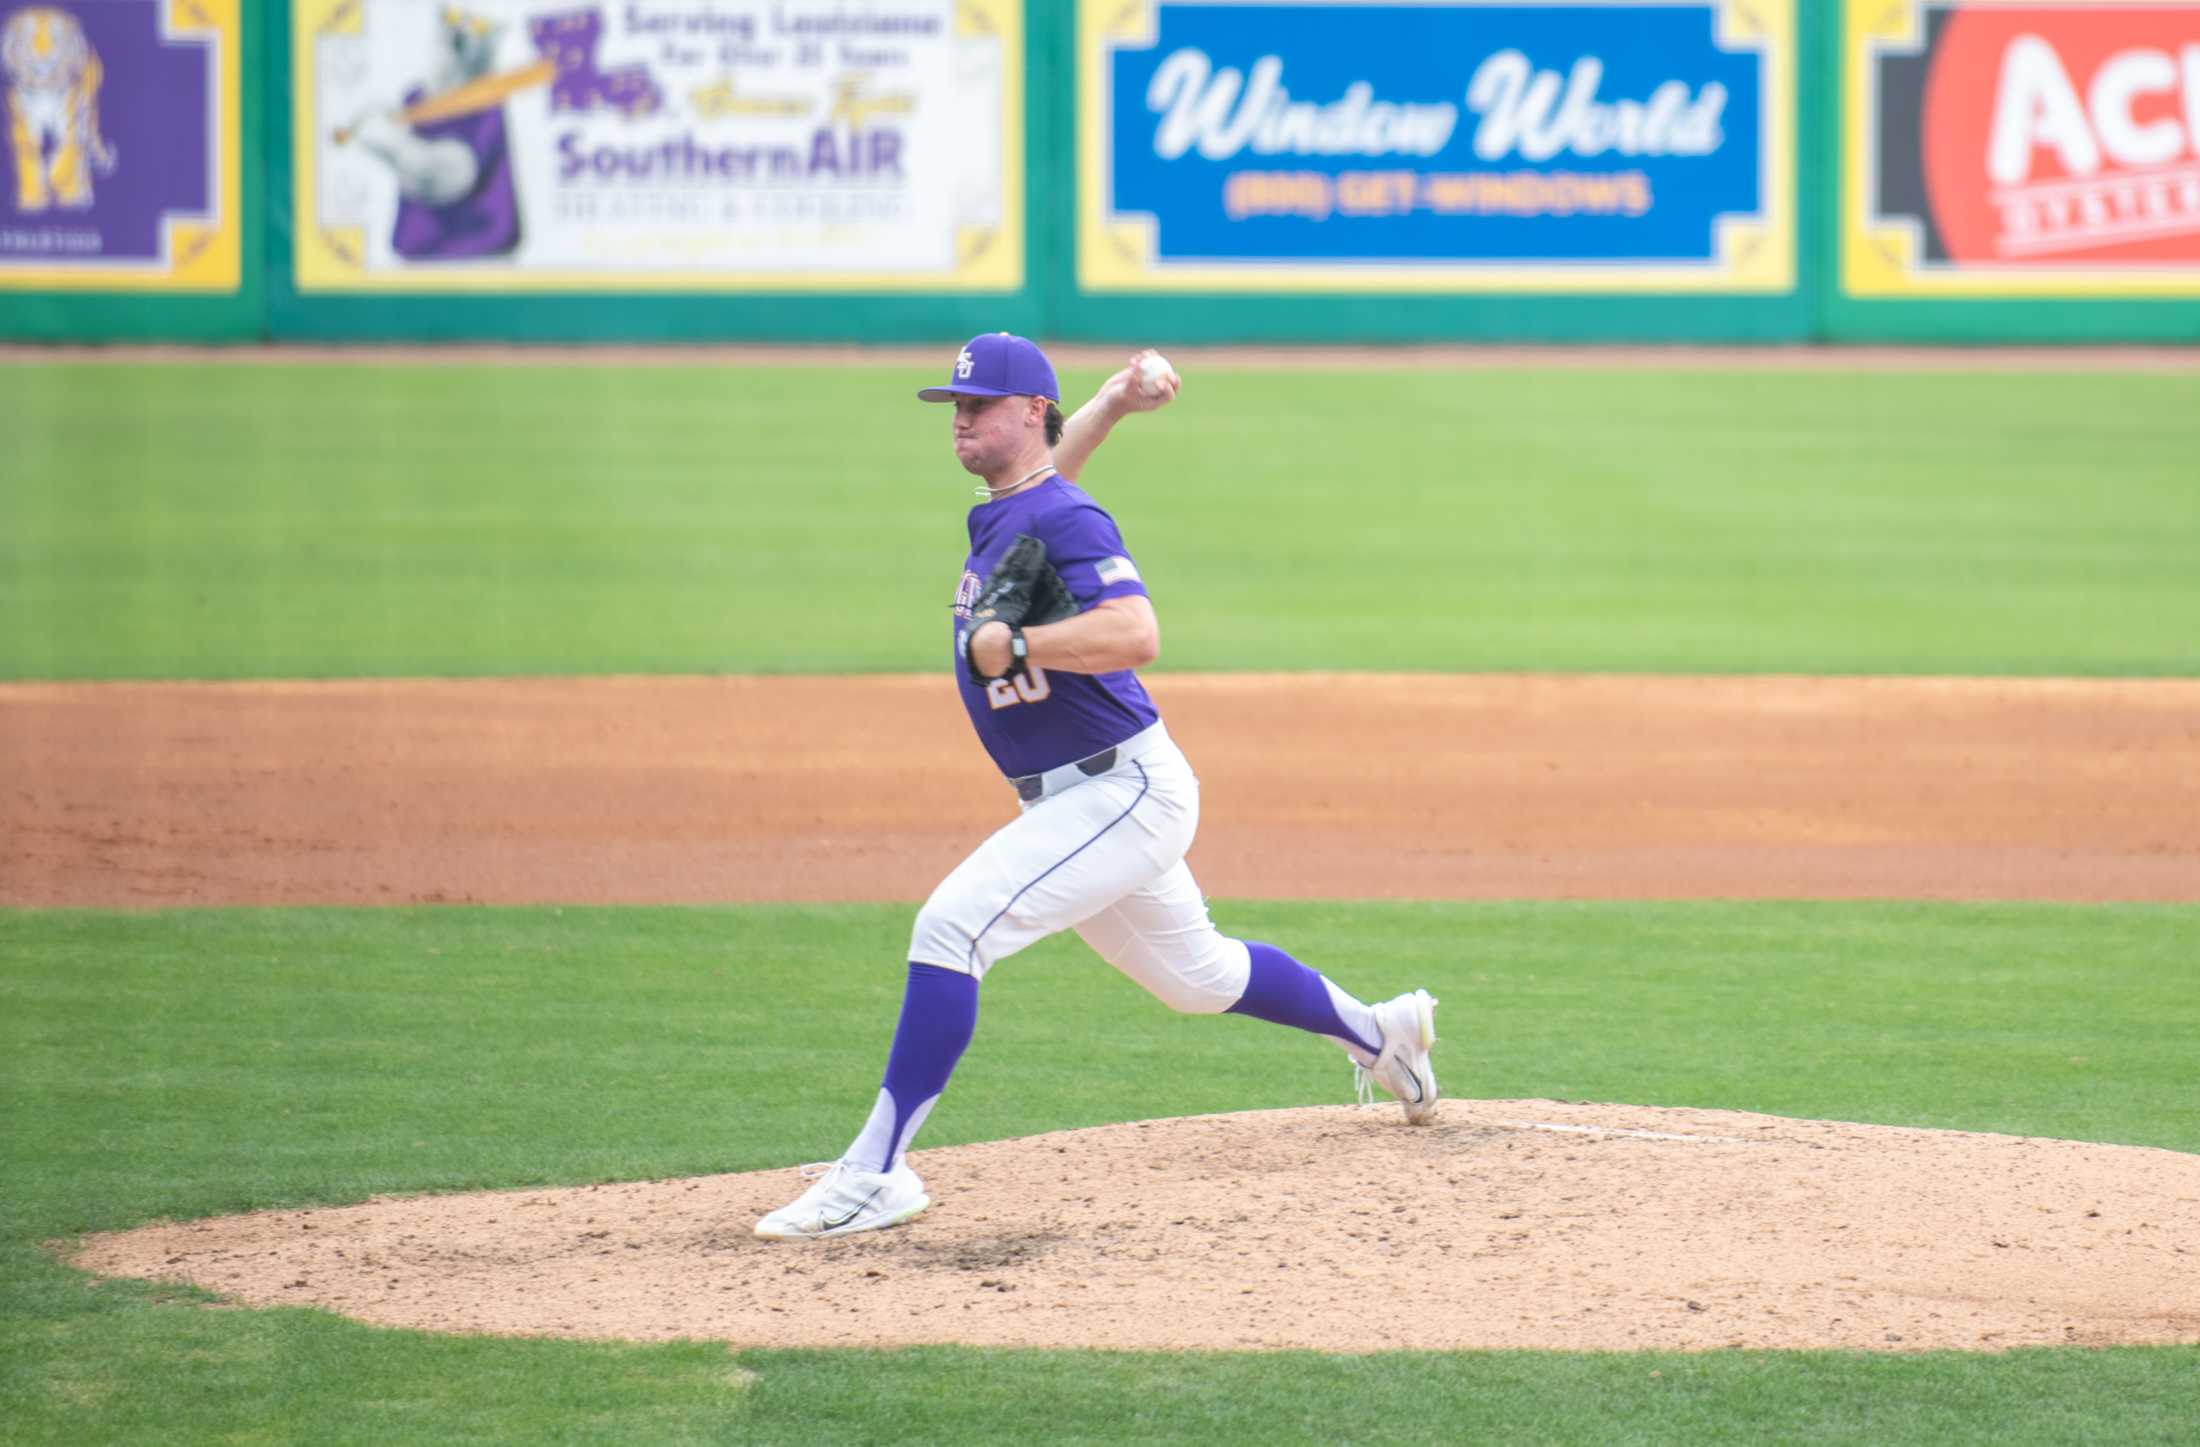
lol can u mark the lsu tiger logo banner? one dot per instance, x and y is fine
(122, 145)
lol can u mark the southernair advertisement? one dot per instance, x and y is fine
(737, 145)
(122, 152)
(1459, 147)
(2022, 149)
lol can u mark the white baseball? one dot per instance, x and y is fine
(1154, 371)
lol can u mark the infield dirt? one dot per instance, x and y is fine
(1507, 1224)
(690, 790)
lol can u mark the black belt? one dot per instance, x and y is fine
(1031, 786)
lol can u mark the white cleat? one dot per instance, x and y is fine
(1408, 1024)
(846, 1200)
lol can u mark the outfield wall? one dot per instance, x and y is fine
(1182, 170)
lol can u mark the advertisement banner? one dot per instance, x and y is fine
(123, 145)
(631, 145)
(2019, 149)
(1447, 146)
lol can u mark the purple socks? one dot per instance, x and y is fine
(939, 1012)
(1285, 992)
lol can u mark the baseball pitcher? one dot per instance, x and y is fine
(1051, 619)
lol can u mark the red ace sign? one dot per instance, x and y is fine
(2066, 133)
(2058, 143)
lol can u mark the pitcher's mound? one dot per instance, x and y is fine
(1506, 1224)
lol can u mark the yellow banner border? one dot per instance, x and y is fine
(199, 255)
(328, 261)
(1880, 258)
(1755, 255)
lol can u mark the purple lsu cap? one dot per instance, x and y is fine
(998, 364)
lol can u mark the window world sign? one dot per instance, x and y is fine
(1453, 146)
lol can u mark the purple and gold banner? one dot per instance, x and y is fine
(123, 151)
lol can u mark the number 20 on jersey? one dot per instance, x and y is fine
(1027, 687)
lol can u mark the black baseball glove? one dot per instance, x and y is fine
(1023, 590)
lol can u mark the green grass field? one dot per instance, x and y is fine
(179, 521)
(194, 1063)
(331, 520)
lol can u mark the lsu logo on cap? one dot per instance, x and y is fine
(964, 364)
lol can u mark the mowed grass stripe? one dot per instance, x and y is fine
(190, 1063)
(175, 520)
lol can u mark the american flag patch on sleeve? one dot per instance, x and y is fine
(1119, 570)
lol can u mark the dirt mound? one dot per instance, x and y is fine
(1506, 1224)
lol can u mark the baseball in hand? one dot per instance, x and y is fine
(1155, 373)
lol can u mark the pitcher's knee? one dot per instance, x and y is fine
(942, 936)
(1189, 998)
(1207, 983)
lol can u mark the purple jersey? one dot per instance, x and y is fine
(1045, 720)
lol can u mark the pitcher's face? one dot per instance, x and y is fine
(992, 432)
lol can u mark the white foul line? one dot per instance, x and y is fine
(1644, 1135)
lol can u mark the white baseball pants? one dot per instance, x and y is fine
(1103, 856)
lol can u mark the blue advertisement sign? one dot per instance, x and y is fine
(1437, 146)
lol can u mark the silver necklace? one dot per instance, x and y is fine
(989, 493)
